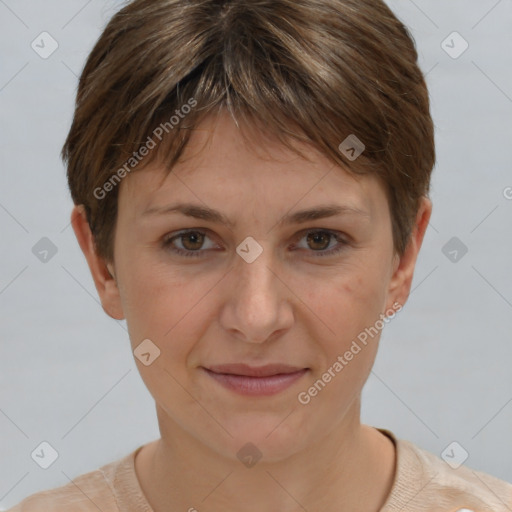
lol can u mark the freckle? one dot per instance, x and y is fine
(347, 288)
(353, 285)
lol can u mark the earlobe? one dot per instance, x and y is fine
(403, 267)
(101, 271)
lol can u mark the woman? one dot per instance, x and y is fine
(251, 185)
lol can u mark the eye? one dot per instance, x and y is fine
(191, 241)
(320, 239)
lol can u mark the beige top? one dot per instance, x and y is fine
(423, 483)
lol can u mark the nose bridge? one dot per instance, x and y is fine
(253, 271)
(255, 306)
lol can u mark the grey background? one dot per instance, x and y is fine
(67, 375)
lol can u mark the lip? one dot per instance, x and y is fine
(255, 381)
(254, 371)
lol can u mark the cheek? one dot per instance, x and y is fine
(350, 305)
(153, 300)
(165, 309)
(349, 302)
(169, 307)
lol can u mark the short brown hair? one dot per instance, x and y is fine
(315, 71)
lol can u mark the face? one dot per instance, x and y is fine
(263, 288)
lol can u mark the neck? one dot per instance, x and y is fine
(351, 468)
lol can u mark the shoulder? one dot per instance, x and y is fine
(431, 484)
(88, 492)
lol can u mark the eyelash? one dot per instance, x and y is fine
(167, 243)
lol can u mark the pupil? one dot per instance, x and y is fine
(196, 239)
(316, 236)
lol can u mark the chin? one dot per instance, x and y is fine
(268, 439)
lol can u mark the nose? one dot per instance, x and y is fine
(257, 305)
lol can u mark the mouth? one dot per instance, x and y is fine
(263, 380)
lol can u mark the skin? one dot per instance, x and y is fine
(289, 306)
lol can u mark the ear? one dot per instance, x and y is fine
(403, 267)
(104, 279)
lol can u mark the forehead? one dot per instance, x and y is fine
(222, 167)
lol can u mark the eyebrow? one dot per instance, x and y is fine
(208, 214)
